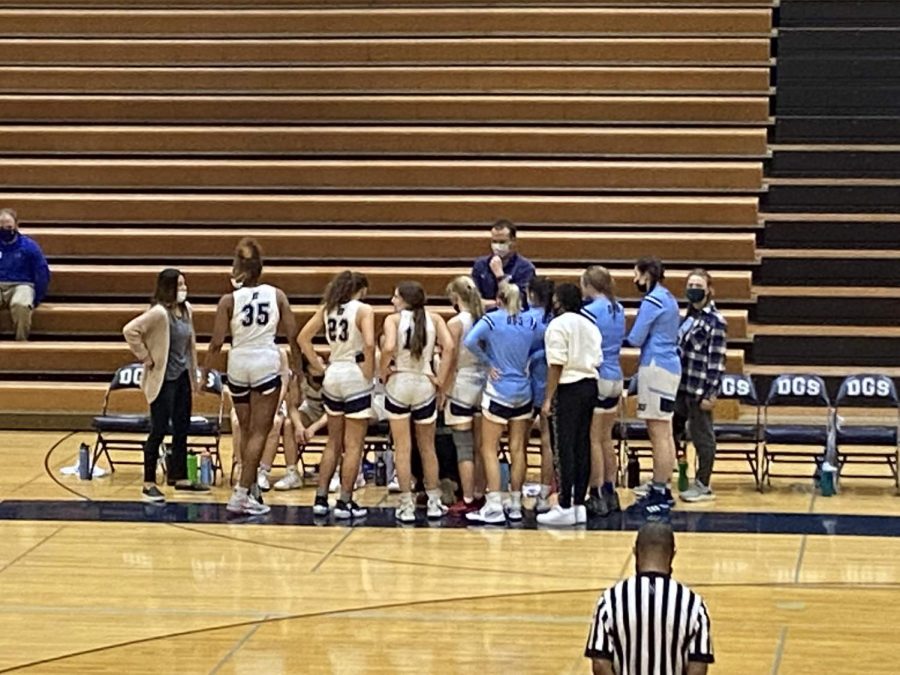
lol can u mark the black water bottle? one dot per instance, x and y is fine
(633, 470)
(380, 471)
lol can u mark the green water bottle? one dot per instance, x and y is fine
(192, 468)
(683, 483)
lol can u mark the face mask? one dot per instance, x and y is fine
(642, 287)
(7, 236)
(235, 284)
(500, 249)
(695, 295)
(181, 296)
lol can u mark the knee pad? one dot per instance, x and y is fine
(463, 442)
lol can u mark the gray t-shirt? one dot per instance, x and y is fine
(179, 346)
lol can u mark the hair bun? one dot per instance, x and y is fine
(248, 249)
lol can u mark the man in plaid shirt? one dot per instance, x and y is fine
(701, 345)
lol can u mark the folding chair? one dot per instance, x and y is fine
(739, 440)
(795, 442)
(205, 430)
(117, 431)
(868, 392)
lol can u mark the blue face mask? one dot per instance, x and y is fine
(7, 236)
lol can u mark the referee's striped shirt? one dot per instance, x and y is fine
(650, 624)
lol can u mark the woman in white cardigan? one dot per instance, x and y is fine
(163, 339)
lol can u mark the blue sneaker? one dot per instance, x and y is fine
(655, 503)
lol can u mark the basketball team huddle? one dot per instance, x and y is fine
(547, 358)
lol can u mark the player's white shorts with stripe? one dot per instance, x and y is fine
(608, 394)
(501, 413)
(253, 369)
(411, 395)
(312, 411)
(346, 391)
(657, 389)
(464, 402)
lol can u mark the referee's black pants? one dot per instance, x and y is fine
(571, 437)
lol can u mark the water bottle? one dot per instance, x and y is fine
(84, 462)
(827, 480)
(192, 468)
(633, 471)
(683, 483)
(504, 474)
(380, 471)
(389, 464)
(206, 469)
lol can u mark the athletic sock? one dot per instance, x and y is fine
(545, 491)
(346, 496)
(515, 499)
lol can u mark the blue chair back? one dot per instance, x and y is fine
(128, 377)
(800, 390)
(867, 390)
(739, 388)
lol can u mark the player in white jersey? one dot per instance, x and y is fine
(411, 389)
(253, 314)
(349, 326)
(462, 412)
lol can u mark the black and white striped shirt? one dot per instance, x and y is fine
(650, 624)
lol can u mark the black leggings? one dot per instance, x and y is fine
(571, 425)
(173, 403)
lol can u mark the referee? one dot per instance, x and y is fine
(650, 624)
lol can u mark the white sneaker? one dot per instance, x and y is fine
(406, 512)
(335, 483)
(697, 493)
(394, 485)
(642, 490)
(436, 509)
(557, 517)
(348, 510)
(262, 480)
(246, 505)
(291, 481)
(580, 514)
(320, 507)
(514, 511)
(490, 513)
(542, 504)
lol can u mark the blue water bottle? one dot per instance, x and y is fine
(84, 462)
(206, 469)
(504, 474)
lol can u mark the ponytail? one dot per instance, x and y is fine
(510, 297)
(467, 291)
(247, 261)
(413, 295)
(541, 290)
(339, 290)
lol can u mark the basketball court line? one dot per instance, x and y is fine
(710, 522)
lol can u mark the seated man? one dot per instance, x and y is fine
(24, 274)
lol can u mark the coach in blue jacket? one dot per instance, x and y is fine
(24, 274)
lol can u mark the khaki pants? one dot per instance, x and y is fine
(19, 298)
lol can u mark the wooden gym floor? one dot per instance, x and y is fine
(99, 588)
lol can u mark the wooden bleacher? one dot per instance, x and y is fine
(382, 135)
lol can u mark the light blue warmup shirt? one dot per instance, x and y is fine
(505, 342)
(655, 330)
(609, 317)
(538, 358)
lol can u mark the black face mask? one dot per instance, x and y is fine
(642, 287)
(695, 295)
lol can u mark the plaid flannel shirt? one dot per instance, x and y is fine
(701, 346)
